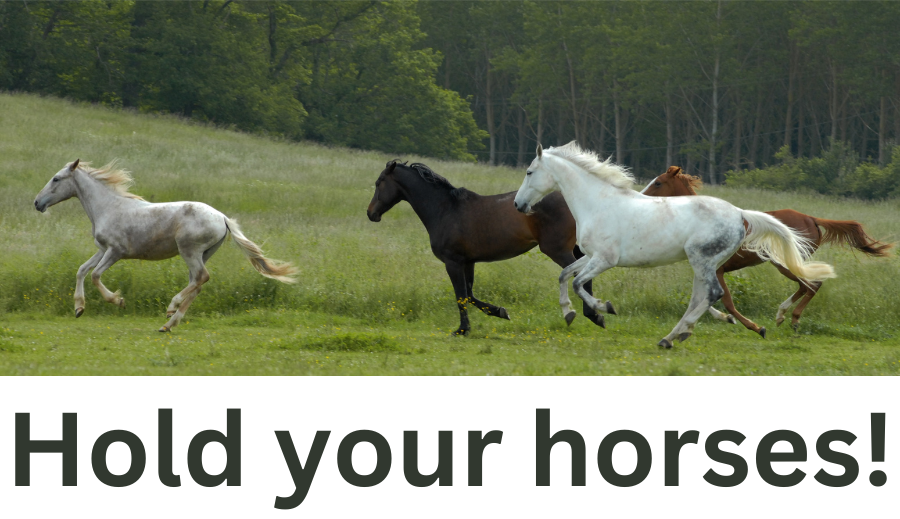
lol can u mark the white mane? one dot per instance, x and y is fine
(587, 160)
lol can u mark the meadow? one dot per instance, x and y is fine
(371, 297)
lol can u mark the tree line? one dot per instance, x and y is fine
(344, 73)
(715, 86)
(712, 86)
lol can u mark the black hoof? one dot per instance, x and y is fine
(796, 327)
(459, 332)
(598, 320)
(730, 319)
(609, 309)
(78, 312)
(684, 336)
(762, 331)
(665, 344)
(569, 318)
(503, 314)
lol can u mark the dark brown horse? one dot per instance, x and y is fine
(819, 231)
(466, 228)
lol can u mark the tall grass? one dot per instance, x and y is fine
(306, 204)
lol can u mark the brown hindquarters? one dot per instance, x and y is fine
(802, 223)
(852, 234)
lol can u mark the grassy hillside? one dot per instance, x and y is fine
(370, 287)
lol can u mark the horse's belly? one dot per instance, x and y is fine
(644, 257)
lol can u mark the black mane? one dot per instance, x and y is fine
(428, 175)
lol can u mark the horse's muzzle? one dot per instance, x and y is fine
(522, 208)
(375, 217)
(39, 207)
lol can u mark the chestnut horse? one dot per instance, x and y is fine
(466, 228)
(674, 182)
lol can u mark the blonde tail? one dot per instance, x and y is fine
(774, 241)
(283, 272)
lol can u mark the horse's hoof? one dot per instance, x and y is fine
(684, 336)
(730, 319)
(665, 344)
(164, 329)
(459, 332)
(609, 309)
(778, 321)
(78, 312)
(121, 303)
(598, 320)
(503, 314)
(762, 331)
(569, 318)
(796, 327)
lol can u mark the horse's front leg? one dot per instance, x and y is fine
(592, 269)
(564, 302)
(457, 273)
(79, 281)
(109, 258)
(564, 258)
(491, 310)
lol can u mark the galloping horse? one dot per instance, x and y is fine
(125, 226)
(466, 228)
(618, 226)
(674, 182)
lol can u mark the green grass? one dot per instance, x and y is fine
(372, 299)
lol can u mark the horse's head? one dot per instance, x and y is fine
(674, 182)
(538, 183)
(387, 193)
(61, 187)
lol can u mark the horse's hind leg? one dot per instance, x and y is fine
(198, 276)
(110, 256)
(806, 292)
(491, 310)
(729, 305)
(592, 269)
(811, 292)
(79, 281)
(564, 302)
(706, 291)
(180, 296)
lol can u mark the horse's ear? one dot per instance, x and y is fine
(391, 165)
(539, 151)
(74, 165)
(673, 171)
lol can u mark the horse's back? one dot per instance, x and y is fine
(161, 230)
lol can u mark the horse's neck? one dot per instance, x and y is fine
(97, 200)
(582, 190)
(428, 200)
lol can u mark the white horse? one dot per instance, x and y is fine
(125, 226)
(619, 227)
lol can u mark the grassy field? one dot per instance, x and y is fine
(372, 299)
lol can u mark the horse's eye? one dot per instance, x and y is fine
(55, 179)
(528, 172)
(657, 183)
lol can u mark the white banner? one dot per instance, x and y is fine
(257, 471)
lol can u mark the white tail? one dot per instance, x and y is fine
(774, 241)
(277, 270)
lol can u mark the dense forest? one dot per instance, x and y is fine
(717, 87)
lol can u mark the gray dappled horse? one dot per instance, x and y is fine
(125, 226)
